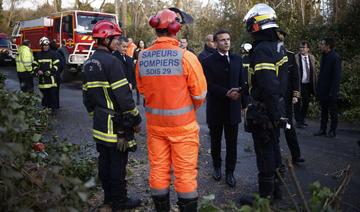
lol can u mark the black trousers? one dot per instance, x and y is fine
(329, 106)
(231, 133)
(290, 134)
(301, 108)
(26, 84)
(112, 172)
(57, 97)
(268, 158)
(49, 97)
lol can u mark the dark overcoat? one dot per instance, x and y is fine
(222, 76)
(329, 77)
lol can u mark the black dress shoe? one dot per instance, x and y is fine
(331, 134)
(230, 180)
(217, 173)
(298, 160)
(320, 133)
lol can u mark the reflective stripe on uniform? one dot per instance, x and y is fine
(45, 60)
(109, 105)
(187, 195)
(133, 112)
(169, 112)
(159, 192)
(112, 138)
(280, 63)
(51, 85)
(200, 97)
(96, 84)
(267, 66)
(119, 83)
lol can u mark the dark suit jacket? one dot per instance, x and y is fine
(130, 67)
(313, 77)
(220, 77)
(329, 77)
(293, 86)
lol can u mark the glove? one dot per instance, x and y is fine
(131, 146)
(122, 145)
(39, 72)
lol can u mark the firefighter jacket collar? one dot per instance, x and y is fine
(167, 40)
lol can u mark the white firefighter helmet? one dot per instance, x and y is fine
(246, 47)
(260, 17)
(44, 41)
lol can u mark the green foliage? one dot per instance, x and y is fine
(37, 181)
(319, 195)
(207, 205)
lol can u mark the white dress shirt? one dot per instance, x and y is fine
(305, 69)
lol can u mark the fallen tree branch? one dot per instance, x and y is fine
(297, 184)
(287, 190)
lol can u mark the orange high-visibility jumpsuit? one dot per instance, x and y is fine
(130, 49)
(174, 86)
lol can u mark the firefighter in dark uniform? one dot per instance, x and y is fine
(46, 65)
(292, 97)
(107, 97)
(265, 113)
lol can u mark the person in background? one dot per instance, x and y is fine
(46, 67)
(24, 60)
(53, 49)
(141, 46)
(308, 79)
(291, 98)
(130, 47)
(185, 45)
(328, 86)
(127, 61)
(209, 47)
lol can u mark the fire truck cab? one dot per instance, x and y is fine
(71, 30)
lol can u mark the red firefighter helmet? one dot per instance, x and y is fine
(166, 19)
(105, 29)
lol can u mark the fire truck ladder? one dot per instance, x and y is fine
(79, 56)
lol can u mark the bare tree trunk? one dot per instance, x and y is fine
(11, 12)
(117, 9)
(57, 5)
(102, 5)
(124, 14)
(302, 5)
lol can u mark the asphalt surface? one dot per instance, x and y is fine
(325, 157)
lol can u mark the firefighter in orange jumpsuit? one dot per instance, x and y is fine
(174, 86)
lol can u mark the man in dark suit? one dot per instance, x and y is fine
(328, 86)
(306, 63)
(223, 72)
(209, 48)
(127, 61)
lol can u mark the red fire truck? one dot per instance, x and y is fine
(71, 30)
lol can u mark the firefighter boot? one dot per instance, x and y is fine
(127, 203)
(277, 189)
(266, 187)
(188, 205)
(162, 202)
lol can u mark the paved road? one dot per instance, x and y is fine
(324, 156)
